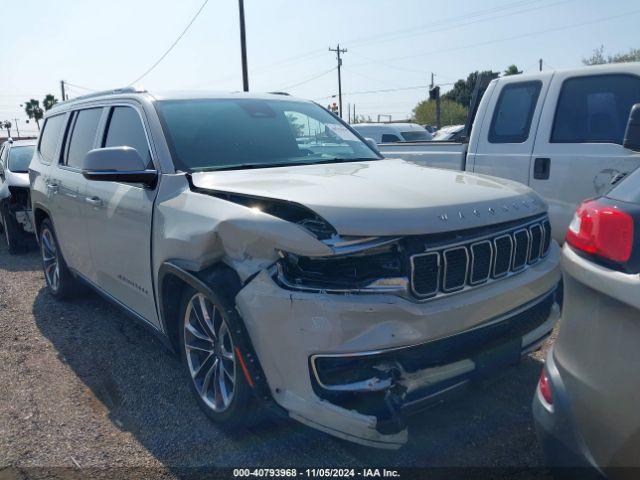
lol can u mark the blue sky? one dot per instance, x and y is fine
(392, 44)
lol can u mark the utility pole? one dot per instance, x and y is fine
(62, 90)
(348, 113)
(354, 114)
(243, 48)
(540, 64)
(338, 51)
(434, 94)
(17, 129)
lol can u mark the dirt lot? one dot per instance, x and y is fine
(82, 386)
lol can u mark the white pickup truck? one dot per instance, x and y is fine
(561, 133)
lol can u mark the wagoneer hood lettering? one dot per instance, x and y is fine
(384, 197)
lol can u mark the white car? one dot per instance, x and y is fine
(393, 132)
(15, 206)
(451, 133)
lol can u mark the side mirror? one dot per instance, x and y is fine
(632, 134)
(117, 164)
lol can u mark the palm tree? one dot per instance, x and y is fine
(33, 110)
(49, 101)
(7, 124)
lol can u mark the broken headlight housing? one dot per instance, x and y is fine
(378, 269)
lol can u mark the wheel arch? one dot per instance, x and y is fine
(39, 214)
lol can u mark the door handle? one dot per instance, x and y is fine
(54, 187)
(541, 168)
(95, 201)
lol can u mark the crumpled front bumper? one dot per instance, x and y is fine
(421, 350)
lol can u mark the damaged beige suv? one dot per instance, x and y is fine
(289, 263)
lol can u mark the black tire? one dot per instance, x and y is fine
(13, 234)
(243, 410)
(67, 285)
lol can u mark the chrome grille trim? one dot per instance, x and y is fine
(473, 257)
(413, 272)
(466, 269)
(472, 253)
(495, 251)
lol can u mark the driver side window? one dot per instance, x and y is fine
(125, 129)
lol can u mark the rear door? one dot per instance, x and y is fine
(66, 188)
(578, 149)
(507, 130)
(119, 221)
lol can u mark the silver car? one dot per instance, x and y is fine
(586, 404)
(292, 266)
(15, 206)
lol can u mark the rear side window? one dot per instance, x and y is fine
(512, 116)
(390, 138)
(83, 135)
(125, 129)
(595, 109)
(49, 137)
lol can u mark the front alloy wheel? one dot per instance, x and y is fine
(209, 351)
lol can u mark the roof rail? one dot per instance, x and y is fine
(103, 93)
(280, 93)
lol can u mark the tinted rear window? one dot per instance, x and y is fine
(20, 157)
(511, 120)
(416, 135)
(50, 136)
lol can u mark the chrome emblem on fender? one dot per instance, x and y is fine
(444, 217)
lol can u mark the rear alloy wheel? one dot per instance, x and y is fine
(60, 281)
(208, 345)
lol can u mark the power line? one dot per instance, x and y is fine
(310, 79)
(80, 87)
(515, 37)
(172, 45)
(386, 90)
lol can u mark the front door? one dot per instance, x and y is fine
(507, 135)
(119, 222)
(578, 149)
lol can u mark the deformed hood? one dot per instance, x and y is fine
(384, 197)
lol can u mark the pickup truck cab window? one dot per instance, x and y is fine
(124, 128)
(512, 117)
(84, 127)
(595, 109)
(390, 138)
(49, 137)
(227, 134)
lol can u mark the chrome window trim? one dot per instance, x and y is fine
(530, 260)
(526, 257)
(511, 254)
(413, 270)
(473, 256)
(466, 269)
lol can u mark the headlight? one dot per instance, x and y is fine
(381, 269)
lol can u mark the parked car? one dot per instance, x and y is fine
(430, 128)
(451, 133)
(558, 132)
(393, 132)
(344, 289)
(586, 404)
(15, 206)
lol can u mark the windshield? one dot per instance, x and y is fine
(214, 134)
(416, 135)
(19, 158)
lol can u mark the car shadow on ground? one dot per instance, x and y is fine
(27, 261)
(145, 392)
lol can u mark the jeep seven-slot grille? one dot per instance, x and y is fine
(447, 269)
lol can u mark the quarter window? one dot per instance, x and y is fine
(512, 117)
(83, 135)
(49, 137)
(390, 138)
(595, 109)
(125, 130)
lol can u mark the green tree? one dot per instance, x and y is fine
(451, 113)
(7, 125)
(599, 58)
(49, 101)
(34, 111)
(511, 70)
(462, 90)
(295, 124)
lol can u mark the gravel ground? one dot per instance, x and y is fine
(83, 386)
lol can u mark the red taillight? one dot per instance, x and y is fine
(602, 230)
(545, 389)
